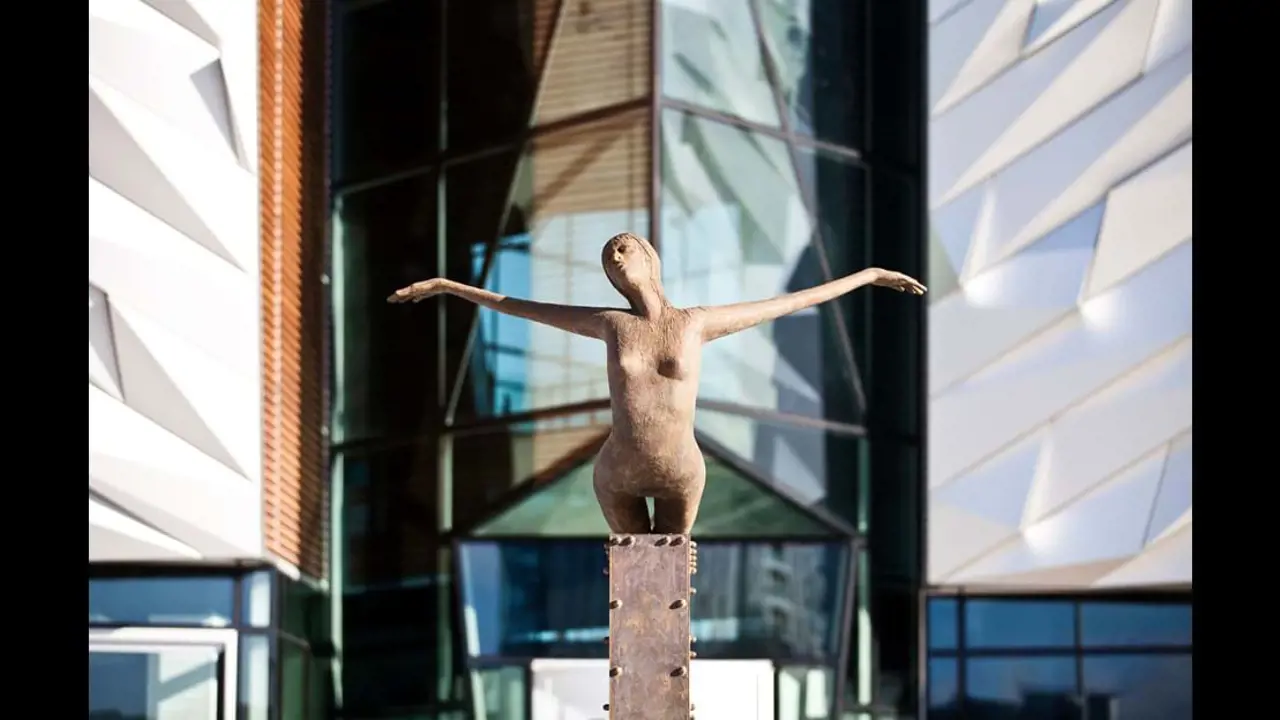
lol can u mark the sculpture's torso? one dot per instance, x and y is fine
(653, 370)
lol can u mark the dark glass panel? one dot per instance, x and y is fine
(943, 623)
(385, 356)
(549, 598)
(1044, 688)
(387, 93)
(1138, 687)
(192, 601)
(389, 515)
(304, 610)
(494, 53)
(293, 681)
(1129, 624)
(944, 685)
(1019, 623)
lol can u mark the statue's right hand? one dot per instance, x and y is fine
(418, 291)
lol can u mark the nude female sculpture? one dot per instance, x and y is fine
(654, 361)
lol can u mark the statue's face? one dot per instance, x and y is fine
(628, 261)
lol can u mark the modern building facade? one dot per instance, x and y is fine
(763, 146)
(1060, 358)
(305, 502)
(208, 506)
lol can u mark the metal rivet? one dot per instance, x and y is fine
(692, 654)
(615, 671)
(693, 544)
(606, 639)
(678, 604)
(679, 672)
(693, 591)
(692, 639)
(676, 541)
(615, 604)
(606, 706)
(660, 542)
(613, 540)
(628, 540)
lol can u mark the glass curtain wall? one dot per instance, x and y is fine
(1096, 658)
(281, 626)
(500, 144)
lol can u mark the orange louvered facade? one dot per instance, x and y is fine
(291, 146)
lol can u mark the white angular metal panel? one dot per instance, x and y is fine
(175, 449)
(1060, 432)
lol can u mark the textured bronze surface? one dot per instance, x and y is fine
(654, 361)
(649, 629)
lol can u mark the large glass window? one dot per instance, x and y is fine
(500, 144)
(1060, 658)
(549, 598)
(387, 92)
(385, 359)
(197, 601)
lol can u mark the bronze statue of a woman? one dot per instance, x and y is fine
(654, 360)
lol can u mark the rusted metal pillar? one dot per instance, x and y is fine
(649, 642)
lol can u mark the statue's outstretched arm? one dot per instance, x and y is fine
(585, 321)
(721, 320)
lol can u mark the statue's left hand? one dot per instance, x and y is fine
(898, 281)
(418, 291)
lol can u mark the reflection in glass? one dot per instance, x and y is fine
(731, 505)
(1032, 687)
(178, 682)
(256, 602)
(805, 693)
(389, 520)
(500, 693)
(304, 610)
(385, 360)
(817, 49)
(202, 601)
(711, 57)
(491, 462)
(735, 227)
(573, 191)
(1117, 624)
(254, 677)
(944, 683)
(942, 623)
(1019, 623)
(601, 58)
(549, 599)
(293, 681)
(811, 466)
(388, 88)
(1138, 687)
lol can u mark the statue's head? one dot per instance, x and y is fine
(631, 264)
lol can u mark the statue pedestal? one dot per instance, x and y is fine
(649, 640)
